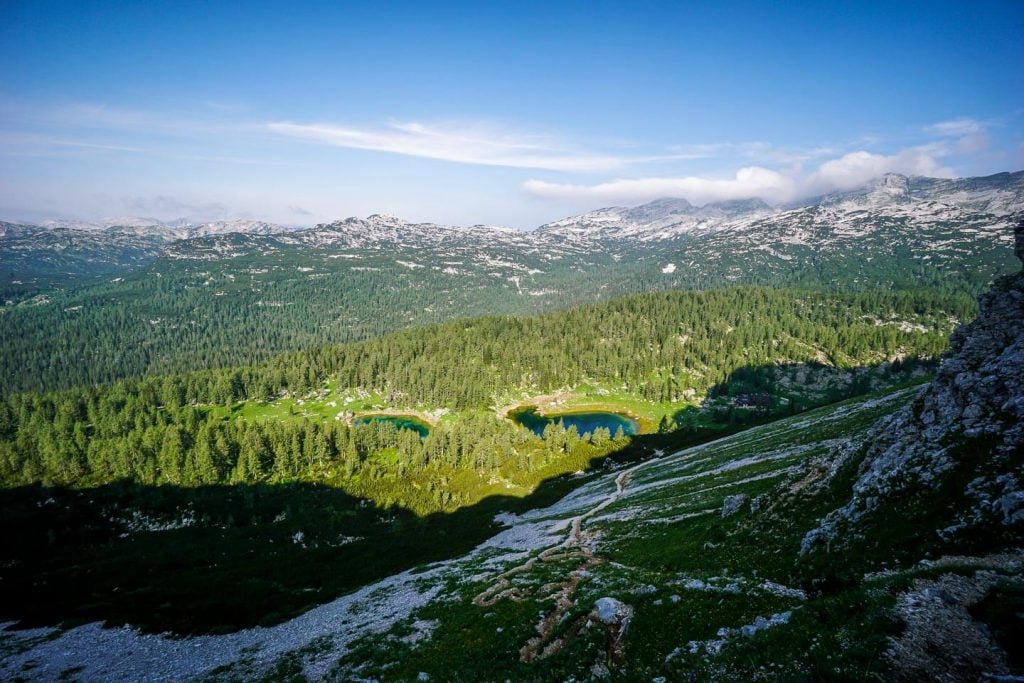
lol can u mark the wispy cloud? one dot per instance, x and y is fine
(33, 144)
(166, 206)
(488, 146)
(191, 123)
(955, 127)
(753, 152)
(474, 144)
(972, 135)
(79, 128)
(845, 172)
(30, 144)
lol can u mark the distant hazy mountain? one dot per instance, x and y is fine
(35, 257)
(660, 219)
(979, 205)
(180, 228)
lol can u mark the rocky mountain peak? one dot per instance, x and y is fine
(891, 188)
(658, 209)
(385, 219)
(735, 207)
(886, 190)
(894, 183)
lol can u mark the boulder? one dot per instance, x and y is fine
(733, 504)
(609, 610)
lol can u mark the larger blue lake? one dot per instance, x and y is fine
(399, 421)
(585, 423)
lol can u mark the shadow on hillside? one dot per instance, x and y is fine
(220, 558)
(755, 394)
(215, 558)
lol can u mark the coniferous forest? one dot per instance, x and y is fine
(659, 348)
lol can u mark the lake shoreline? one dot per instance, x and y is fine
(549, 405)
(584, 420)
(426, 418)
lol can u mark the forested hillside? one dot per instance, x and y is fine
(669, 348)
(181, 314)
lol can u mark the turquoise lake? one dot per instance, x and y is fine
(585, 423)
(399, 421)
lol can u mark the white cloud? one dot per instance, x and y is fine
(857, 168)
(751, 181)
(846, 172)
(467, 145)
(488, 146)
(955, 127)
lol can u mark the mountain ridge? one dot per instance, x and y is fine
(361, 277)
(999, 193)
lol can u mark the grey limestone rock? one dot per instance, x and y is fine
(733, 504)
(978, 393)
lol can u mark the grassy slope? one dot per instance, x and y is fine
(667, 530)
(652, 535)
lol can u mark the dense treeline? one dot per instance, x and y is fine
(179, 429)
(97, 442)
(179, 316)
(183, 316)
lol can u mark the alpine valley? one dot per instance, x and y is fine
(729, 442)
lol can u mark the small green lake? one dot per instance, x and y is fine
(399, 421)
(585, 423)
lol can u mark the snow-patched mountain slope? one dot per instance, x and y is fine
(30, 253)
(383, 229)
(391, 235)
(852, 241)
(167, 230)
(894, 231)
(917, 200)
(660, 219)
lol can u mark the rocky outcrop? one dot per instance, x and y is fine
(973, 409)
(733, 504)
(1018, 241)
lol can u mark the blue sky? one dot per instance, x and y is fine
(506, 113)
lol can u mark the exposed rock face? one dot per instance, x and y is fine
(733, 504)
(940, 640)
(975, 407)
(1018, 242)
